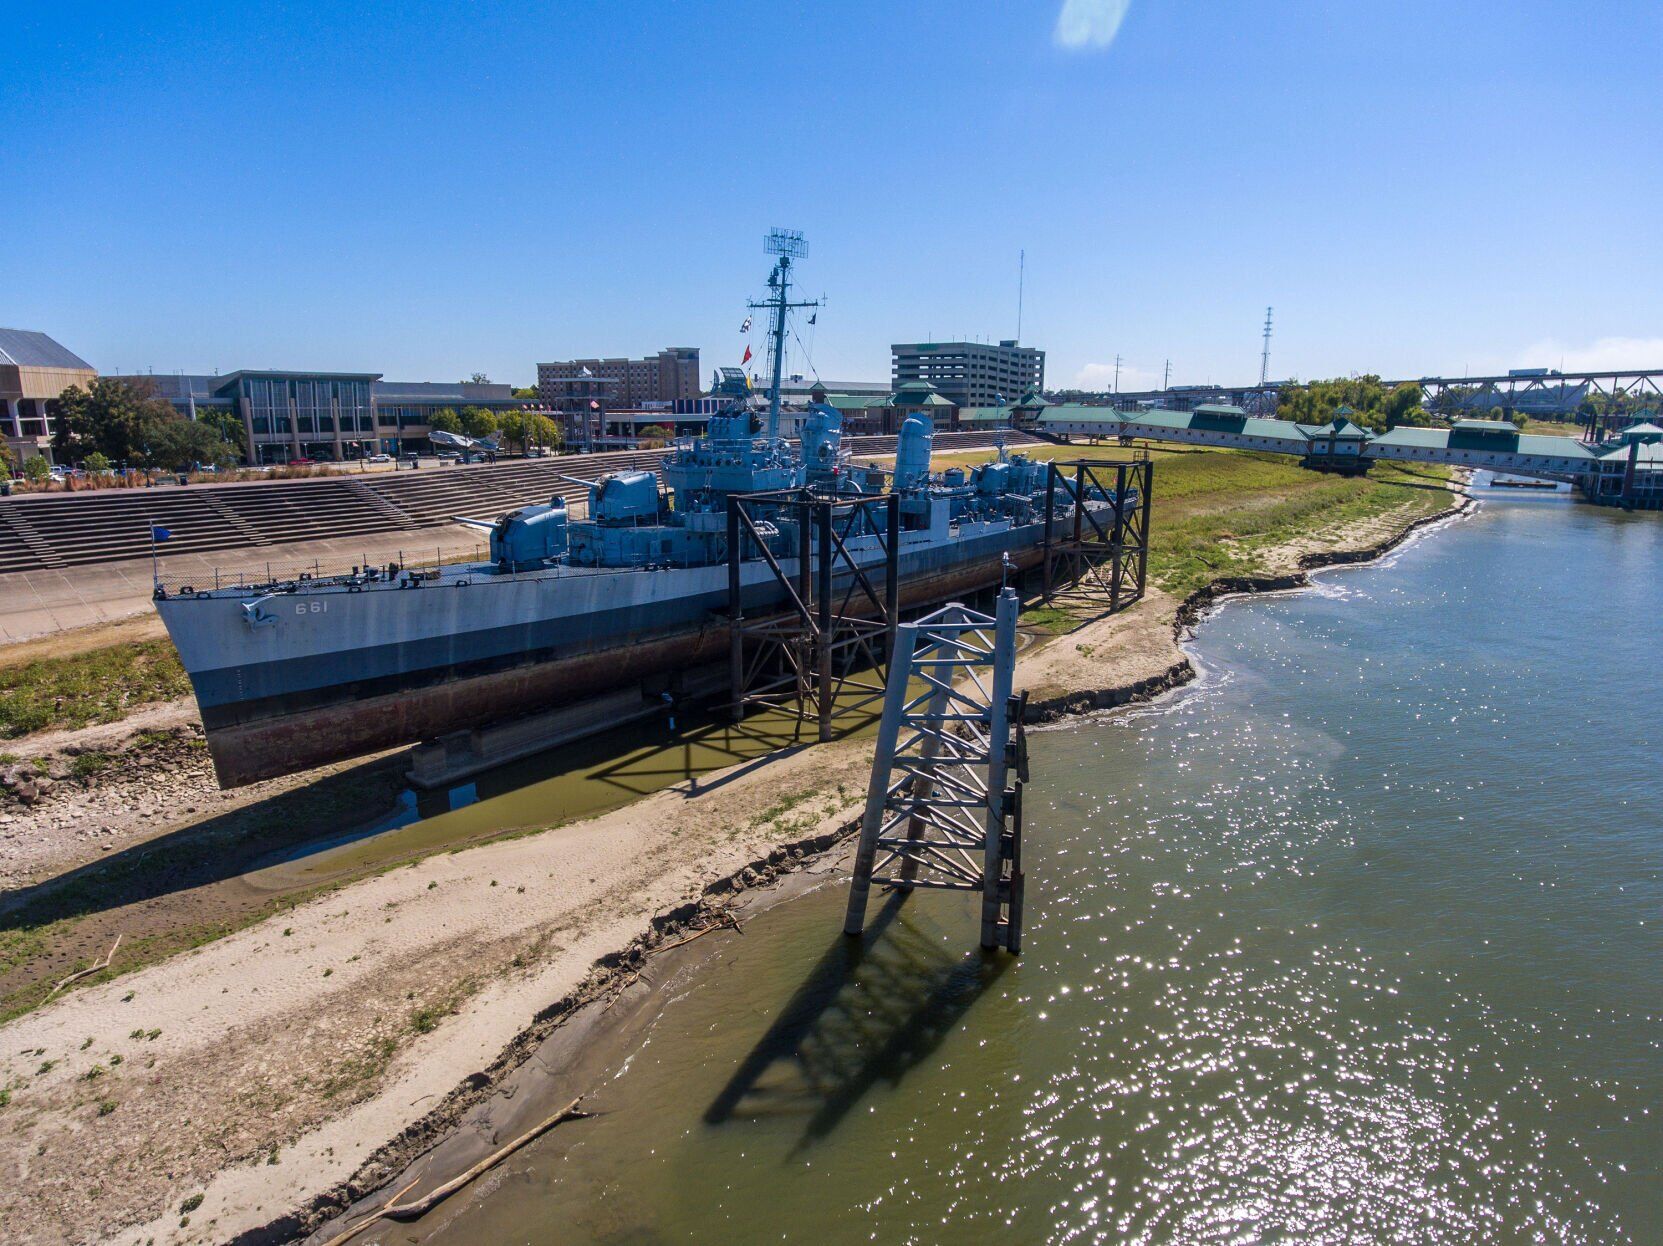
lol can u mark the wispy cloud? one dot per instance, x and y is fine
(1089, 23)
(1100, 377)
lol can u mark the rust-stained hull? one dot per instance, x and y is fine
(287, 743)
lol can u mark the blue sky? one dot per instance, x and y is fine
(429, 190)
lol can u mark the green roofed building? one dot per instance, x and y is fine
(920, 398)
(1337, 445)
(862, 413)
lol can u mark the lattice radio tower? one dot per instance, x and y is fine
(1264, 357)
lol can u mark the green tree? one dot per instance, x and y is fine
(477, 378)
(177, 444)
(478, 422)
(96, 462)
(545, 432)
(515, 427)
(126, 421)
(111, 417)
(527, 392)
(1402, 406)
(227, 423)
(445, 420)
(36, 469)
(655, 435)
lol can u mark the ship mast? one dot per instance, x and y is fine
(787, 244)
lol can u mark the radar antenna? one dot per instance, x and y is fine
(788, 244)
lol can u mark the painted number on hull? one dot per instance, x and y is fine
(311, 607)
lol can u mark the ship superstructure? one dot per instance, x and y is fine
(294, 674)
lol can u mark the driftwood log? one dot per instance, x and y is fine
(394, 1210)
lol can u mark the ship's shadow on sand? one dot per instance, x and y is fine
(872, 1009)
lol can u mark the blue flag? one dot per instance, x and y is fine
(159, 533)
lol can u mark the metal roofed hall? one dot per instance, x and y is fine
(279, 374)
(24, 348)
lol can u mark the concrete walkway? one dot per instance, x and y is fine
(39, 603)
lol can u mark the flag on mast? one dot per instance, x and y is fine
(746, 327)
(814, 317)
(747, 357)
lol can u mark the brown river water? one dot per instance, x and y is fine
(1358, 939)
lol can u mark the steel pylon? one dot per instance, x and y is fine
(944, 807)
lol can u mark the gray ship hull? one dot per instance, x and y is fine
(294, 680)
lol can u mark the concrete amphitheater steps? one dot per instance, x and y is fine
(50, 531)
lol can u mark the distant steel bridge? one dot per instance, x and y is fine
(1532, 391)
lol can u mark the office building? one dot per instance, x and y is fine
(665, 377)
(327, 416)
(970, 374)
(34, 370)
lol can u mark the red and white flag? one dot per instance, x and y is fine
(594, 405)
(747, 357)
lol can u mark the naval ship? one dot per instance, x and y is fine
(294, 674)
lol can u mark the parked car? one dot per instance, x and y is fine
(379, 458)
(302, 461)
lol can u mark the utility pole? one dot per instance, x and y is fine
(1264, 359)
(1166, 379)
(1117, 374)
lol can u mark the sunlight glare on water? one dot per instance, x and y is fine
(1356, 941)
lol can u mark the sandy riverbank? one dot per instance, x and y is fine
(331, 1044)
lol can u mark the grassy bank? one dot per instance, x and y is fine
(97, 686)
(1221, 513)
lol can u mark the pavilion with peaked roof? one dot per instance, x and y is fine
(1337, 445)
(919, 398)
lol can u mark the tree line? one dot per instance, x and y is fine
(1373, 405)
(520, 429)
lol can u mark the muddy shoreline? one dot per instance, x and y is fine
(584, 1026)
(587, 1014)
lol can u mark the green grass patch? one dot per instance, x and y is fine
(99, 686)
(1225, 532)
(1052, 620)
(1218, 513)
(88, 764)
